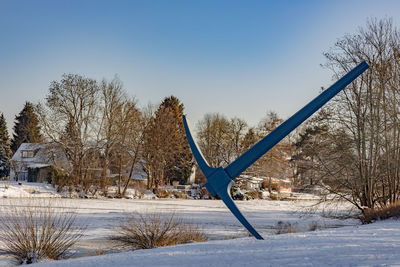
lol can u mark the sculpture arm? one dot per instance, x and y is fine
(201, 161)
(264, 145)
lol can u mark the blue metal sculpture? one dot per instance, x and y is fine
(219, 180)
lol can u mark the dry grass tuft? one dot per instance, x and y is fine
(37, 231)
(314, 226)
(97, 252)
(372, 215)
(154, 230)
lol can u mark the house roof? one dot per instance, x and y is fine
(44, 155)
(38, 165)
(262, 178)
(137, 174)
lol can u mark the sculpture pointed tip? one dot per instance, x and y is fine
(200, 159)
(365, 63)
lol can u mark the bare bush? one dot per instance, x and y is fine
(154, 230)
(38, 231)
(372, 215)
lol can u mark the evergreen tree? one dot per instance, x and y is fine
(249, 140)
(166, 151)
(26, 128)
(311, 147)
(5, 151)
(179, 166)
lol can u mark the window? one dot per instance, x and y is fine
(27, 154)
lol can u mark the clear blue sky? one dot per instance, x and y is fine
(239, 58)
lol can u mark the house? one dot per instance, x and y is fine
(281, 188)
(32, 161)
(138, 175)
(277, 184)
(250, 182)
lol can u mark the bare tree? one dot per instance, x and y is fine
(220, 139)
(130, 143)
(211, 132)
(275, 163)
(234, 135)
(365, 116)
(68, 117)
(113, 99)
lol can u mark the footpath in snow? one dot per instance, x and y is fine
(375, 244)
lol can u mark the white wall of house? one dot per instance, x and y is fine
(192, 176)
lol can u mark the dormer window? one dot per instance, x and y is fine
(28, 154)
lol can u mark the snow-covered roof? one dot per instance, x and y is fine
(262, 178)
(38, 165)
(39, 155)
(137, 174)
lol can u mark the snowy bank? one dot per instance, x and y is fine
(366, 245)
(12, 189)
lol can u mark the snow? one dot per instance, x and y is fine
(376, 244)
(12, 189)
(37, 165)
(43, 153)
(102, 215)
(336, 242)
(23, 189)
(149, 195)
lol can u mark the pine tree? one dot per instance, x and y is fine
(179, 166)
(249, 140)
(26, 128)
(5, 151)
(166, 150)
(310, 149)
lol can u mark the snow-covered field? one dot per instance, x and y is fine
(229, 243)
(376, 244)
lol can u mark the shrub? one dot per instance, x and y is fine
(37, 231)
(58, 178)
(253, 194)
(180, 194)
(152, 230)
(285, 227)
(372, 215)
(162, 193)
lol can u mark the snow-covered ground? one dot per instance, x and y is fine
(12, 189)
(101, 216)
(229, 243)
(376, 244)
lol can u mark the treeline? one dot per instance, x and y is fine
(99, 126)
(351, 147)
(222, 140)
(26, 130)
